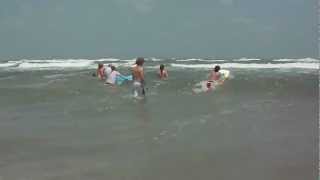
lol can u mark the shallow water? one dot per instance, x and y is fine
(65, 124)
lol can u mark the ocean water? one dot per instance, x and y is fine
(59, 122)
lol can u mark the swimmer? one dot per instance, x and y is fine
(163, 74)
(111, 78)
(138, 78)
(101, 71)
(214, 76)
(107, 71)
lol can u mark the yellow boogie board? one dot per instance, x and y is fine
(202, 86)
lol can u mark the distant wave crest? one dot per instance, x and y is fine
(251, 65)
(243, 63)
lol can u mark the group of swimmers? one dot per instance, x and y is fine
(109, 75)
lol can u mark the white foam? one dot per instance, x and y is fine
(250, 66)
(51, 60)
(54, 65)
(130, 65)
(107, 60)
(200, 60)
(297, 60)
(155, 59)
(63, 60)
(8, 64)
(187, 60)
(121, 64)
(129, 60)
(246, 59)
(34, 64)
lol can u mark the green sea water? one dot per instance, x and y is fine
(65, 124)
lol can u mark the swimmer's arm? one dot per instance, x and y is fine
(141, 74)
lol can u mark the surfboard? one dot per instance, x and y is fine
(202, 85)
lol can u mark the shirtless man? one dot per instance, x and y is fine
(138, 78)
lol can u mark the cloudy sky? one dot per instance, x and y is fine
(158, 28)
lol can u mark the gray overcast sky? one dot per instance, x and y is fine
(158, 28)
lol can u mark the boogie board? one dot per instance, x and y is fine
(202, 86)
(225, 74)
(121, 79)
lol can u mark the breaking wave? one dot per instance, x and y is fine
(243, 63)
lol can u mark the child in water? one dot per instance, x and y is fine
(163, 74)
(111, 78)
(101, 71)
(214, 76)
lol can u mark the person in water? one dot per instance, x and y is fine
(214, 76)
(111, 78)
(138, 78)
(107, 71)
(101, 71)
(163, 74)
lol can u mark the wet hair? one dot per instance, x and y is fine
(216, 68)
(161, 67)
(139, 61)
(100, 66)
(113, 68)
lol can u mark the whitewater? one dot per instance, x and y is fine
(174, 63)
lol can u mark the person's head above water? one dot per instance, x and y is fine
(100, 66)
(217, 68)
(161, 67)
(139, 61)
(113, 68)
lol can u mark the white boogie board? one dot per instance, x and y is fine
(225, 74)
(202, 86)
